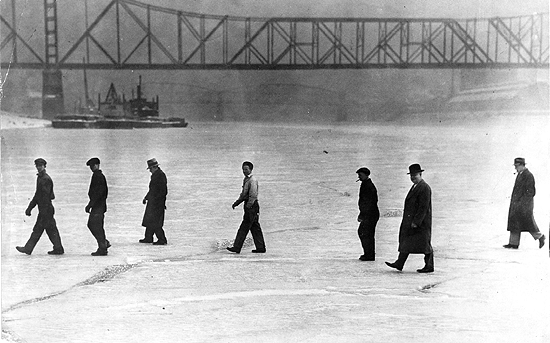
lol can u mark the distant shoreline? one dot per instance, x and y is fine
(19, 121)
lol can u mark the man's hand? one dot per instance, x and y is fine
(144, 201)
(234, 205)
(28, 212)
(88, 208)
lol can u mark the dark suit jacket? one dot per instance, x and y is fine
(418, 210)
(44, 194)
(98, 193)
(368, 201)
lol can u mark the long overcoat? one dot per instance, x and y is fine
(418, 210)
(156, 200)
(520, 215)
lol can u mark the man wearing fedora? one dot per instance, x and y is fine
(368, 214)
(97, 206)
(415, 233)
(153, 219)
(520, 215)
(45, 221)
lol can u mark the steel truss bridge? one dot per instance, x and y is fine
(130, 35)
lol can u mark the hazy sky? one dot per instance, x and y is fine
(362, 8)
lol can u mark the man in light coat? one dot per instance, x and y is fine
(415, 233)
(520, 215)
(249, 195)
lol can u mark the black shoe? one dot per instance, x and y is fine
(56, 252)
(233, 249)
(541, 241)
(366, 258)
(160, 243)
(512, 246)
(145, 241)
(107, 243)
(425, 270)
(99, 253)
(22, 250)
(257, 251)
(394, 265)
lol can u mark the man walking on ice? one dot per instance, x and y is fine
(249, 196)
(520, 215)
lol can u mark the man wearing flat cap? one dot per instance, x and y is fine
(153, 219)
(415, 232)
(520, 215)
(97, 206)
(45, 221)
(368, 214)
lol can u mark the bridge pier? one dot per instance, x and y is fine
(52, 93)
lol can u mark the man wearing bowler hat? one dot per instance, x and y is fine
(368, 214)
(153, 219)
(97, 206)
(415, 233)
(520, 215)
(45, 221)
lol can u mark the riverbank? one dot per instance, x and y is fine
(20, 121)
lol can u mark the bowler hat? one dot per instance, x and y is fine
(92, 161)
(363, 170)
(415, 168)
(152, 163)
(40, 161)
(519, 160)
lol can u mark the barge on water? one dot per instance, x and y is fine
(115, 112)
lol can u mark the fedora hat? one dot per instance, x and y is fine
(519, 160)
(152, 163)
(415, 168)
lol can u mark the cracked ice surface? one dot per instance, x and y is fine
(309, 286)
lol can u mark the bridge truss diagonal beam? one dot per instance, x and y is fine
(129, 34)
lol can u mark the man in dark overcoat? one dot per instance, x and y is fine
(415, 233)
(45, 221)
(368, 214)
(153, 219)
(520, 215)
(97, 206)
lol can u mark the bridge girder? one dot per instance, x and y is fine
(153, 37)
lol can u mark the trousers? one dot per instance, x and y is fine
(366, 236)
(250, 224)
(428, 260)
(155, 230)
(515, 236)
(45, 222)
(95, 224)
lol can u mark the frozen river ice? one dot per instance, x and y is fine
(309, 286)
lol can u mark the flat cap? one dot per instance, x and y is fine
(92, 161)
(363, 170)
(40, 161)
